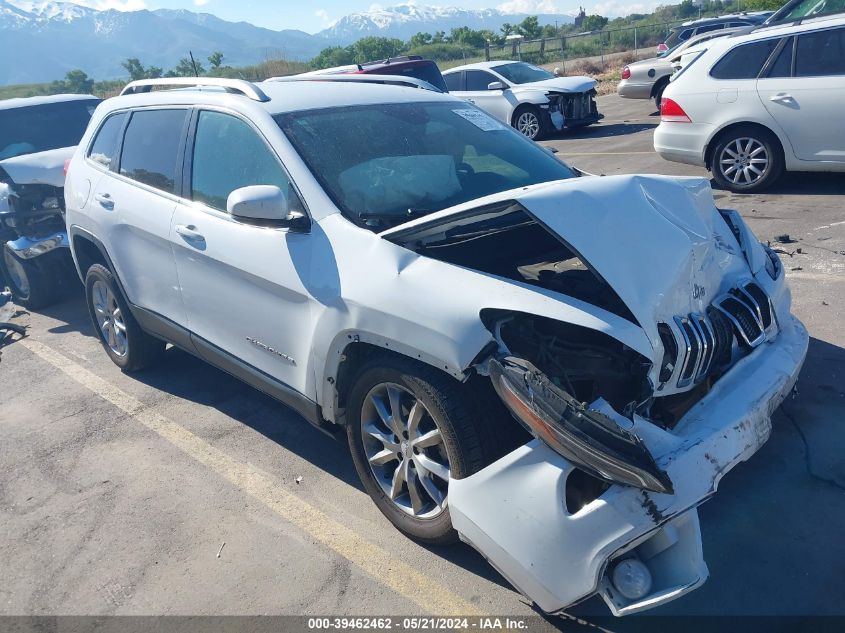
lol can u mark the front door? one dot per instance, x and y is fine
(242, 284)
(494, 102)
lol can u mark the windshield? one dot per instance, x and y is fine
(426, 71)
(384, 164)
(806, 9)
(522, 73)
(43, 127)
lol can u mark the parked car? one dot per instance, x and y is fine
(482, 322)
(37, 136)
(531, 99)
(412, 66)
(691, 28)
(647, 78)
(750, 106)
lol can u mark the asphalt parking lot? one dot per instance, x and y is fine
(180, 490)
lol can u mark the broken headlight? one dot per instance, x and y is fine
(773, 263)
(587, 438)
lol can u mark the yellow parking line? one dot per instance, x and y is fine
(426, 592)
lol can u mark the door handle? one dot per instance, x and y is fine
(781, 96)
(189, 232)
(105, 200)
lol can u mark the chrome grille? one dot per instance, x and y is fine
(749, 309)
(699, 347)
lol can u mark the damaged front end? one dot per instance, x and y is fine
(572, 109)
(628, 440)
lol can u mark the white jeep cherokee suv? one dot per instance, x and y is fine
(395, 263)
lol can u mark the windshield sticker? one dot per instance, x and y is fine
(479, 119)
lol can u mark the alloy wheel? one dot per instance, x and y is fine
(17, 274)
(528, 124)
(405, 450)
(109, 318)
(744, 161)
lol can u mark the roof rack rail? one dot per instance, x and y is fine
(389, 80)
(234, 86)
(391, 60)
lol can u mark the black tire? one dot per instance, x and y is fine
(658, 94)
(537, 130)
(141, 349)
(34, 282)
(726, 145)
(451, 406)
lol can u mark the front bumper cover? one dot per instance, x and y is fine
(514, 510)
(28, 248)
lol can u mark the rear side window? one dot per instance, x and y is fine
(744, 62)
(453, 81)
(424, 71)
(104, 148)
(711, 27)
(478, 79)
(228, 155)
(820, 54)
(151, 146)
(782, 66)
(685, 35)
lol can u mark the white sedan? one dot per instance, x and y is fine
(531, 99)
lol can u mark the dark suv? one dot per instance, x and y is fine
(405, 66)
(686, 30)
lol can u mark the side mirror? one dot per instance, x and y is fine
(496, 85)
(265, 205)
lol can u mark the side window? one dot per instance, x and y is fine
(478, 79)
(782, 66)
(453, 81)
(228, 155)
(685, 35)
(820, 54)
(104, 148)
(710, 27)
(151, 146)
(744, 62)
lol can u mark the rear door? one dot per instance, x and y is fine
(135, 201)
(804, 91)
(242, 283)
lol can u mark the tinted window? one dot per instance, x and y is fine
(782, 66)
(453, 81)
(103, 149)
(228, 155)
(478, 80)
(685, 35)
(807, 8)
(707, 29)
(150, 147)
(522, 73)
(821, 53)
(43, 127)
(425, 71)
(744, 62)
(418, 158)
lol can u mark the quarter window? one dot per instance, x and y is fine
(782, 66)
(151, 146)
(478, 80)
(453, 81)
(228, 155)
(820, 54)
(104, 147)
(744, 62)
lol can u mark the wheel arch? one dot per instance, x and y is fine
(86, 250)
(717, 136)
(660, 82)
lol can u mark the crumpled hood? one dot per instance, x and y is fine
(657, 240)
(40, 168)
(560, 84)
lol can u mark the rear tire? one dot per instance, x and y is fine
(746, 159)
(380, 450)
(128, 346)
(658, 94)
(33, 284)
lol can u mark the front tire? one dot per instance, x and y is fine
(33, 284)
(128, 346)
(528, 122)
(411, 429)
(746, 159)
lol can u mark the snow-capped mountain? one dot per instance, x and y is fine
(40, 40)
(405, 20)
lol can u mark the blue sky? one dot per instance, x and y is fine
(315, 15)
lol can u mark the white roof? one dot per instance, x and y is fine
(482, 65)
(23, 102)
(287, 96)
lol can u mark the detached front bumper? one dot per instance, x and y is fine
(27, 247)
(514, 511)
